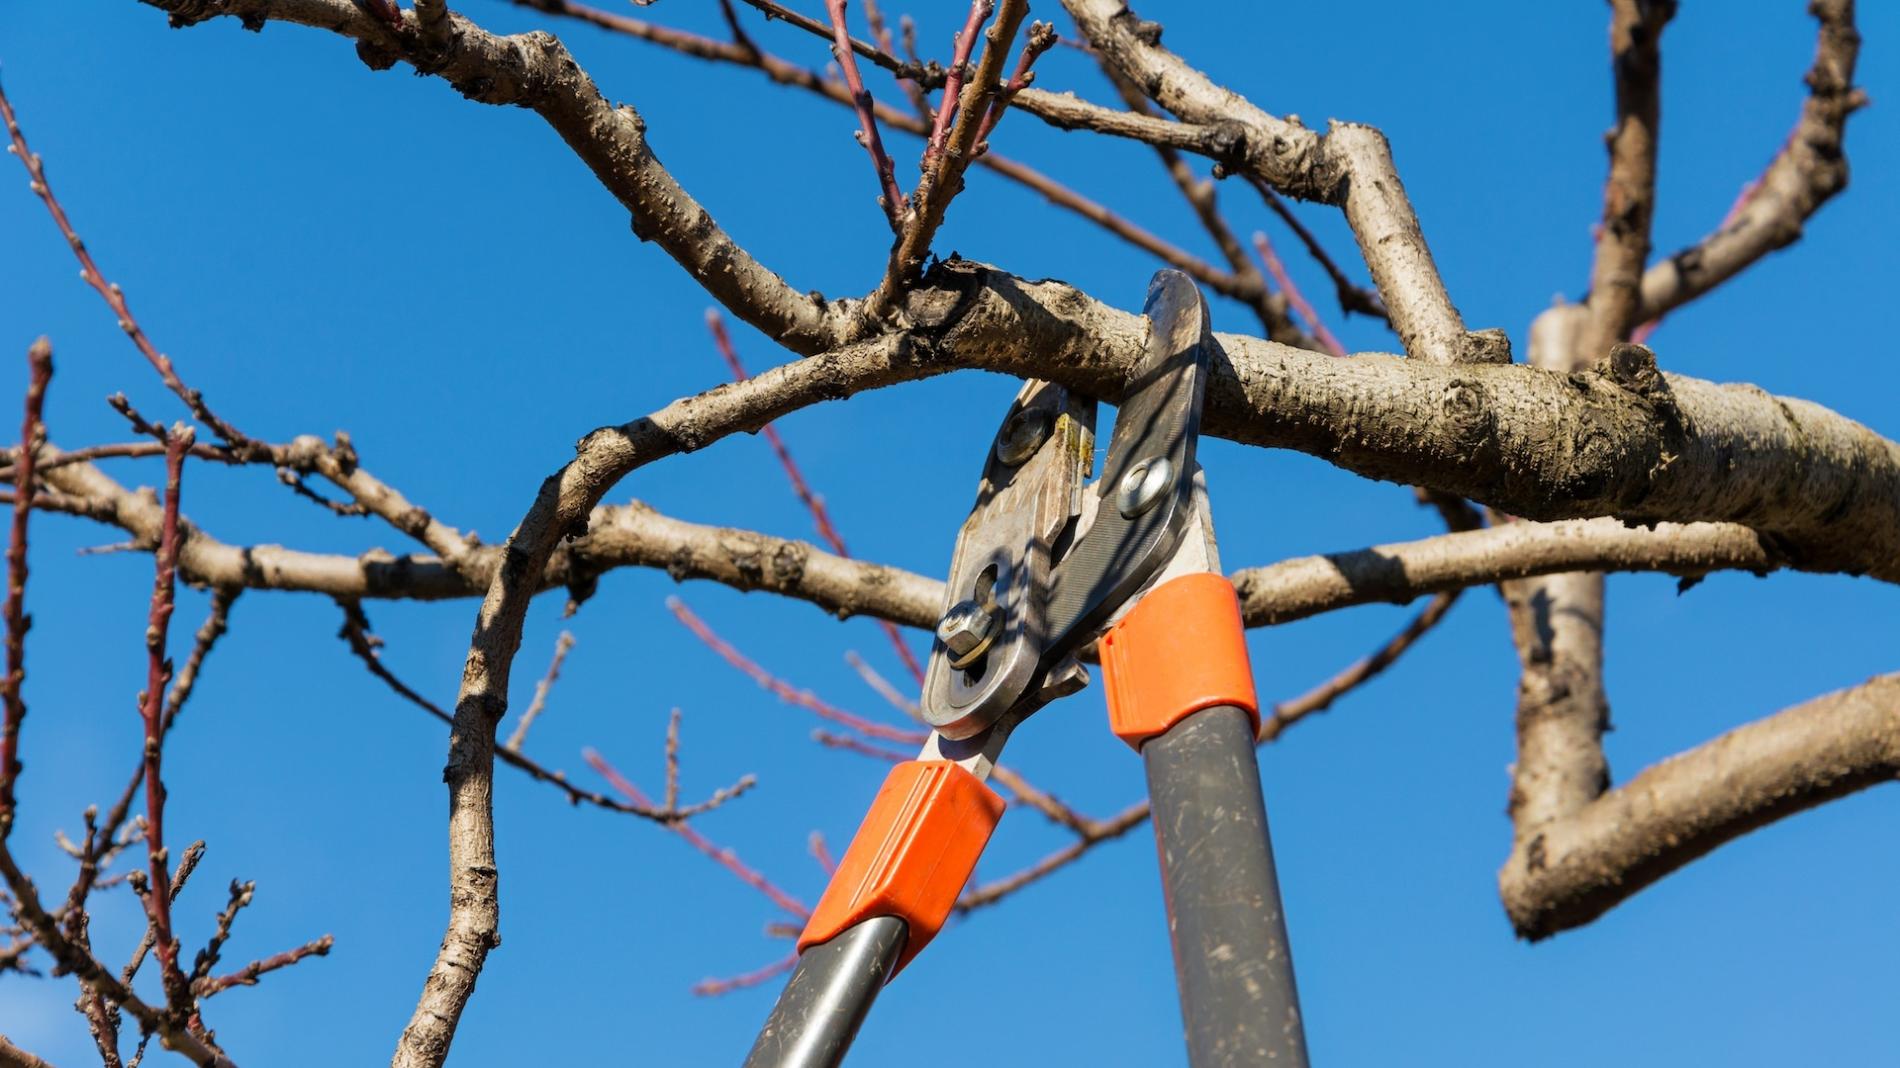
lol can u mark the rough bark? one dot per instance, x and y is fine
(1574, 870)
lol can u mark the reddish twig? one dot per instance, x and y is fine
(1294, 297)
(1041, 38)
(1114, 827)
(715, 987)
(859, 746)
(883, 686)
(812, 501)
(724, 857)
(891, 198)
(1352, 298)
(1321, 697)
(881, 33)
(673, 760)
(541, 690)
(32, 432)
(963, 44)
(158, 673)
(785, 691)
(113, 296)
(821, 854)
(247, 975)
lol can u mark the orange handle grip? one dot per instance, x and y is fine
(911, 856)
(1182, 648)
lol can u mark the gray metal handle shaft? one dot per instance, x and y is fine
(827, 997)
(1231, 957)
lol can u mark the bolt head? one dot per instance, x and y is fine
(1144, 484)
(964, 628)
(1022, 434)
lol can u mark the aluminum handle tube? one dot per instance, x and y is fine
(1231, 957)
(819, 1011)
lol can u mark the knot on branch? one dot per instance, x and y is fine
(1491, 345)
(1633, 367)
(1468, 411)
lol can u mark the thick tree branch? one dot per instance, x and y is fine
(1563, 706)
(1577, 868)
(1628, 442)
(1397, 573)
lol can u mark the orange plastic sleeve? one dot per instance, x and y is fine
(912, 854)
(1182, 648)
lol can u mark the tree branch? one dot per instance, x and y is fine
(1577, 868)
(1808, 171)
(1351, 167)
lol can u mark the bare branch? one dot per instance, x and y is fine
(896, 209)
(720, 855)
(1397, 573)
(32, 437)
(158, 673)
(783, 690)
(1327, 343)
(111, 294)
(1808, 171)
(356, 633)
(1352, 167)
(946, 158)
(821, 517)
(1321, 697)
(541, 690)
(248, 975)
(1579, 867)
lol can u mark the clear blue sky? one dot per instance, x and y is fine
(320, 246)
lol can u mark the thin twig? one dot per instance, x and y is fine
(113, 296)
(758, 977)
(1352, 297)
(891, 199)
(32, 434)
(247, 975)
(724, 857)
(1301, 306)
(357, 634)
(158, 673)
(541, 690)
(961, 47)
(852, 744)
(1321, 697)
(673, 760)
(783, 690)
(821, 853)
(813, 503)
(883, 687)
(1041, 38)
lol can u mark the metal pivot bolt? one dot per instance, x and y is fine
(1143, 485)
(966, 631)
(1023, 433)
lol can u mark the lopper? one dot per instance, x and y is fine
(1046, 566)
